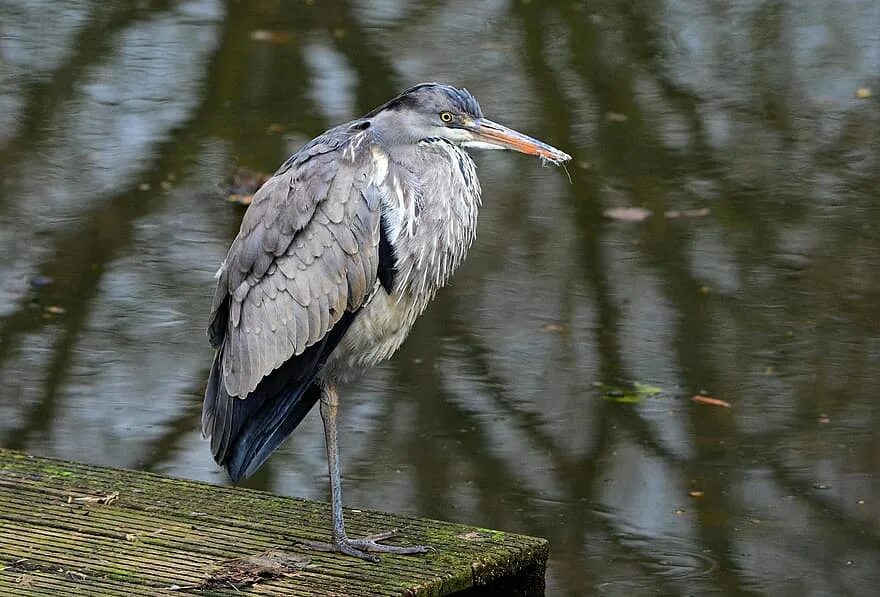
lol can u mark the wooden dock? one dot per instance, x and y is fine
(74, 529)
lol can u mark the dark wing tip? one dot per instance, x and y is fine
(245, 431)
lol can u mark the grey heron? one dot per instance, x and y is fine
(338, 254)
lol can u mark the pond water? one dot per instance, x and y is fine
(749, 129)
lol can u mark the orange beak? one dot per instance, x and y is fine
(491, 135)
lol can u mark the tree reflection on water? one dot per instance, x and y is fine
(119, 122)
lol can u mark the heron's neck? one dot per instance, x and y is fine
(430, 205)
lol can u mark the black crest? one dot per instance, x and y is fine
(410, 98)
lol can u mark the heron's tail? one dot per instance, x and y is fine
(245, 431)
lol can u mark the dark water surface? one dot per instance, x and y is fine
(120, 122)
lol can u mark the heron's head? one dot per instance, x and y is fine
(437, 110)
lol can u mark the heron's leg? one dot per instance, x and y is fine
(329, 408)
(341, 542)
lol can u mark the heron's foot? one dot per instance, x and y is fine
(359, 548)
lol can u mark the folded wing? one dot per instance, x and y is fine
(302, 266)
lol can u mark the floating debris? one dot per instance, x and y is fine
(701, 399)
(674, 214)
(627, 214)
(863, 93)
(272, 37)
(633, 393)
(637, 214)
(274, 129)
(244, 183)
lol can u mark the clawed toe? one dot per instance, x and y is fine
(359, 548)
(379, 536)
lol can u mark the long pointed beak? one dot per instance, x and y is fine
(491, 135)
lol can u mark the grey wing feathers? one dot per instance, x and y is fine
(307, 252)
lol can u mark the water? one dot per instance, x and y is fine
(120, 123)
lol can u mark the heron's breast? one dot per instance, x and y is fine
(375, 334)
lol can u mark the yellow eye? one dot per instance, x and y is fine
(446, 116)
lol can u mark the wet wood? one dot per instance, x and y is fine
(69, 528)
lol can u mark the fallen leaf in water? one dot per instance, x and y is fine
(696, 494)
(56, 310)
(700, 399)
(627, 214)
(272, 37)
(863, 93)
(243, 184)
(674, 214)
(241, 199)
(630, 394)
(824, 419)
(274, 129)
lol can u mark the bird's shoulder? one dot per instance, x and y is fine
(353, 134)
(304, 178)
(320, 174)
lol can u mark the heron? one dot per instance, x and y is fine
(337, 255)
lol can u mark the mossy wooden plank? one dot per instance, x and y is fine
(56, 584)
(70, 528)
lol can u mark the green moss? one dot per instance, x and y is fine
(163, 531)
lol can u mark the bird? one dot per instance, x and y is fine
(338, 254)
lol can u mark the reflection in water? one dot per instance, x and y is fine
(119, 120)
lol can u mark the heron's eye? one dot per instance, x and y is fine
(446, 117)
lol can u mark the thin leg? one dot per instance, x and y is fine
(341, 542)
